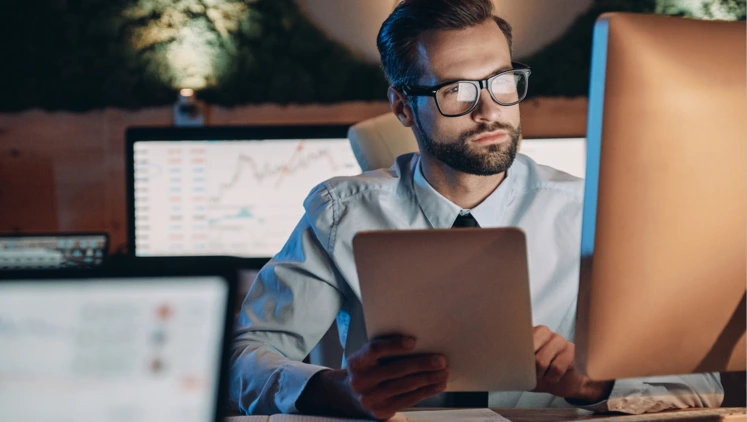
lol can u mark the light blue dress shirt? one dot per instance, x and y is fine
(312, 281)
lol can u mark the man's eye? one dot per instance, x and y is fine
(450, 91)
(504, 80)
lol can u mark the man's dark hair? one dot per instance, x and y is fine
(401, 30)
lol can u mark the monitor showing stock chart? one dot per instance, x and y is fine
(239, 191)
(228, 197)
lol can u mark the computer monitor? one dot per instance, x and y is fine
(564, 154)
(235, 191)
(58, 250)
(125, 345)
(663, 245)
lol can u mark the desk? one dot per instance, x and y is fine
(571, 414)
(562, 415)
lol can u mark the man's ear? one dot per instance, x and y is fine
(400, 107)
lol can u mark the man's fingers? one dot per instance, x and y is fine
(403, 366)
(541, 335)
(378, 348)
(547, 354)
(371, 378)
(562, 363)
(409, 383)
(406, 400)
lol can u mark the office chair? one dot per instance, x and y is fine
(376, 142)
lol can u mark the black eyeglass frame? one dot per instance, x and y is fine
(432, 91)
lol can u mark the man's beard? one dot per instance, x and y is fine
(461, 155)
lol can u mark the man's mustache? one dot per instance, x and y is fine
(487, 127)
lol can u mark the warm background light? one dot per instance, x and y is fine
(188, 43)
(356, 23)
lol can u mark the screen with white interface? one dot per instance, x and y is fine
(237, 198)
(111, 350)
(565, 154)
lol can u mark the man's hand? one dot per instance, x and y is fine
(556, 374)
(378, 382)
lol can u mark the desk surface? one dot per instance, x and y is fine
(571, 414)
(562, 415)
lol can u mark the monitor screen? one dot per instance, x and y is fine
(52, 251)
(564, 154)
(228, 197)
(124, 349)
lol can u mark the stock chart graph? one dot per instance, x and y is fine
(239, 198)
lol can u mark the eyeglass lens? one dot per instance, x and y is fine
(459, 97)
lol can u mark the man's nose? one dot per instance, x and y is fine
(486, 110)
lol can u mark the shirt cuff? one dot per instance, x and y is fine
(293, 379)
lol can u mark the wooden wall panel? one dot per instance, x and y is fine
(28, 201)
(81, 183)
(273, 114)
(53, 133)
(553, 117)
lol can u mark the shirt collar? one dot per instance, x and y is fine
(441, 212)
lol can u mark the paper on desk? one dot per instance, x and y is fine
(456, 415)
(304, 418)
(246, 419)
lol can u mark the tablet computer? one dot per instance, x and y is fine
(462, 293)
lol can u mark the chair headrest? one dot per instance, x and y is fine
(376, 142)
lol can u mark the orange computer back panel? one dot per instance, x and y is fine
(664, 241)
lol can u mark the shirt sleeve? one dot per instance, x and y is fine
(654, 394)
(289, 307)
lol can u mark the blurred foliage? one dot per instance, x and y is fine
(703, 9)
(89, 54)
(562, 67)
(287, 59)
(188, 43)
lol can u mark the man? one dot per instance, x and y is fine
(453, 82)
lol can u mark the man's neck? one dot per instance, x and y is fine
(465, 190)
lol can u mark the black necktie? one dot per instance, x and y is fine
(464, 220)
(476, 399)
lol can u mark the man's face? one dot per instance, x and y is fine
(483, 142)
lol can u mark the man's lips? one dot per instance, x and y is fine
(491, 138)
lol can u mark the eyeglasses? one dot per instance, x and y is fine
(457, 98)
